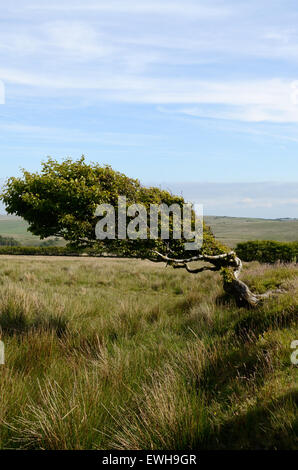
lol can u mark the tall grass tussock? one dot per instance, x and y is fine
(125, 354)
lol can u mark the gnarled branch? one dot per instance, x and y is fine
(233, 284)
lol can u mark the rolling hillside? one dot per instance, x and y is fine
(229, 230)
(232, 230)
(16, 227)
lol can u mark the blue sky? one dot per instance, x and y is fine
(197, 96)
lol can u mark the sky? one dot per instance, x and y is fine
(200, 97)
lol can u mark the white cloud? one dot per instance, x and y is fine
(2, 93)
(76, 38)
(118, 139)
(278, 112)
(274, 92)
(59, 39)
(187, 8)
(248, 101)
(144, 59)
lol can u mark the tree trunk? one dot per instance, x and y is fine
(241, 292)
(230, 266)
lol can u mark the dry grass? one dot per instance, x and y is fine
(124, 354)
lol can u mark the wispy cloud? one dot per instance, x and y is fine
(115, 139)
(133, 64)
(174, 7)
(2, 93)
(274, 112)
(213, 79)
(248, 101)
(76, 38)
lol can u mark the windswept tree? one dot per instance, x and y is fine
(62, 199)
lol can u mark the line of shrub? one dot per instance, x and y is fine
(38, 250)
(8, 241)
(48, 251)
(267, 251)
(258, 250)
(54, 251)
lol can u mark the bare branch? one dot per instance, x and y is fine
(239, 266)
(200, 270)
(235, 286)
(196, 258)
(196, 270)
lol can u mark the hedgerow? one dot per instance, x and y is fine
(268, 251)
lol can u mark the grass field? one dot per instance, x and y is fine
(230, 230)
(126, 354)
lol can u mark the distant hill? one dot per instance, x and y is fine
(232, 230)
(11, 226)
(16, 227)
(229, 230)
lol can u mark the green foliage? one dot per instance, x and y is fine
(61, 201)
(268, 251)
(227, 275)
(50, 251)
(39, 250)
(50, 242)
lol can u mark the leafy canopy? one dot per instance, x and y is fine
(61, 201)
